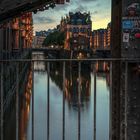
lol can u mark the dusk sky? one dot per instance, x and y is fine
(100, 13)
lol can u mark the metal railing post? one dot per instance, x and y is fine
(79, 100)
(32, 99)
(9, 42)
(63, 100)
(126, 90)
(6, 42)
(95, 106)
(48, 101)
(17, 101)
(1, 105)
(110, 104)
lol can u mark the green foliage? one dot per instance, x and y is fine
(55, 38)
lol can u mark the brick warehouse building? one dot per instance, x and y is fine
(78, 28)
(101, 39)
(16, 36)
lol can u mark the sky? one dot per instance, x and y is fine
(100, 13)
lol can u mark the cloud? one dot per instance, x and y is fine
(88, 1)
(43, 19)
(99, 9)
(79, 8)
(94, 12)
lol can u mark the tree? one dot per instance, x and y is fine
(55, 38)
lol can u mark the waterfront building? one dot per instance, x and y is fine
(45, 33)
(99, 39)
(16, 36)
(16, 41)
(77, 27)
(40, 36)
(108, 35)
(105, 39)
(92, 41)
(41, 33)
(38, 41)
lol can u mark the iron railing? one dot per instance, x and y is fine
(64, 61)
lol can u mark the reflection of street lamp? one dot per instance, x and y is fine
(82, 47)
(80, 54)
(88, 55)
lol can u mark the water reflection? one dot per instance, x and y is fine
(71, 81)
(25, 108)
(71, 101)
(94, 113)
(17, 80)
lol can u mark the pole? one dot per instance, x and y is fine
(1, 99)
(63, 100)
(48, 101)
(79, 100)
(95, 106)
(32, 100)
(17, 102)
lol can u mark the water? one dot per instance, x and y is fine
(87, 121)
(84, 118)
(71, 102)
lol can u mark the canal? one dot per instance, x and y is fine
(63, 114)
(87, 105)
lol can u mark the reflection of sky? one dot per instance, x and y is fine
(102, 108)
(56, 100)
(100, 13)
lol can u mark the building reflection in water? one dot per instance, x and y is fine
(87, 102)
(16, 108)
(122, 82)
(25, 107)
(102, 68)
(71, 97)
(72, 81)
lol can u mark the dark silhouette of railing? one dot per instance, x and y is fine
(64, 61)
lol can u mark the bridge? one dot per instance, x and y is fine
(46, 49)
(50, 52)
(125, 87)
(14, 8)
(103, 52)
(60, 52)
